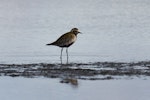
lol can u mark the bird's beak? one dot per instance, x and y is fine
(80, 32)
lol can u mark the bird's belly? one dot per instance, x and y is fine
(67, 45)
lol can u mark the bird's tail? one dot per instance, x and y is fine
(50, 43)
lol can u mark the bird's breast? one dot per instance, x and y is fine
(74, 38)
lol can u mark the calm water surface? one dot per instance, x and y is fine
(47, 89)
(113, 30)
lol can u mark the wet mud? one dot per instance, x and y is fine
(69, 72)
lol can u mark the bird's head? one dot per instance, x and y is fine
(75, 31)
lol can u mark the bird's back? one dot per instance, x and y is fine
(65, 40)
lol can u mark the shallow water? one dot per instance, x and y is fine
(46, 89)
(113, 30)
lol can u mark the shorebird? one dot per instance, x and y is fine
(65, 41)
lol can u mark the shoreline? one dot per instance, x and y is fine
(85, 71)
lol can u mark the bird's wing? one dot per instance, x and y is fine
(66, 39)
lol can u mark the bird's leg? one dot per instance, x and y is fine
(67, 54)
(61, 55)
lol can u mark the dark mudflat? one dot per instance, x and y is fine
(88, 71)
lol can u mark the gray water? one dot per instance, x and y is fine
(51, 89)
(113, 30)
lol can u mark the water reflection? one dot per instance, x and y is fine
(71, 81)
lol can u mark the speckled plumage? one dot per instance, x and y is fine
(66, 40)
